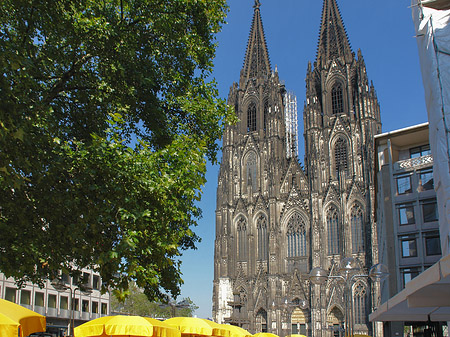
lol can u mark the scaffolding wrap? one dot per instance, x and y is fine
(290, 115)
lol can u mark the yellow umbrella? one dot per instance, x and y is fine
(119, 326)
(190, 326)
(29, 320)
(264, 334)
(8, 327)
(296, 335)
(237, 331)
(218, 330)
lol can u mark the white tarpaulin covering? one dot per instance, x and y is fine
(433, 41)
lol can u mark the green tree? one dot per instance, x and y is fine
(107, 119)
(137, 303)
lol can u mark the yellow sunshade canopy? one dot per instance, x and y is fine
(237, 331)
(8, 327)
(218, 330)
(28, 320)
(120, 325)
(190, 326)
(265, 334)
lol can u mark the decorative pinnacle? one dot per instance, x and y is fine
(257, 4)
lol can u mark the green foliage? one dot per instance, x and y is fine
(136, 303)
(106, 122)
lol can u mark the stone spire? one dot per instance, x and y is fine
(333, 40)
(256, 63)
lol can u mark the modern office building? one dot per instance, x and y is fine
(407, 211)
(54, 300)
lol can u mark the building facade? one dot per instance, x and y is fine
(407, 211)
(54, 300)
(277, 220)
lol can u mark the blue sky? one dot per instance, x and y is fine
(383, 31)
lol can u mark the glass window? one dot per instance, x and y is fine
(359, 298)
(403, 184)
(95, 307)
(96, 282)
(429, 211)
(251, 117)
(426, 180)
(263, 239)
(409, 246)
(25, 297)
(51, 301)
(296, 236)
(357, 230)
(333, 232)
(10, 294)
(39, 299)
(64, 302)
(340, 156)
(432, 243)
(336, 100)
(242, 238)
(406, 214)
(85, 306)
(104, 308)
(419, 151)
(408, 274)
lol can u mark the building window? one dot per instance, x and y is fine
(430, 210)
(296, 236)
(408, 246)
(251, 171)
(336, 100)
(261, 225)
(51, 301)
(251, 117)
(359, 296)
(39, 299)
(96, 282)
(333, 232)
(432, 243)
(25, 297)
(420, 151)
(242, 239)
(104, 308)
(426, 180)
(86, 278)
(85, 306)
(408, 274)
(10, 294)
(357, 230)
(406, 214)
(64, 303)
(403, 184)
(95, 307)
(340, 156)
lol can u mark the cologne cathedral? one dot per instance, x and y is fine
(276, 220)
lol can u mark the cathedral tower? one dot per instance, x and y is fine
(275, 221)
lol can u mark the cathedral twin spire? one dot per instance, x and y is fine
(257, 62)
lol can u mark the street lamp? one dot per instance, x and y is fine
(349, 271)
(60, 286)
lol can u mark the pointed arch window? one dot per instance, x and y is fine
(251, 117)
(359, 297)
(296, 236)
(263, 238)
(340, 156)
(357, 230)
(337, 105)
(251, 171)
(242, 239)
(333, 230)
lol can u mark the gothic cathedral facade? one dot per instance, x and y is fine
(277, 220)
